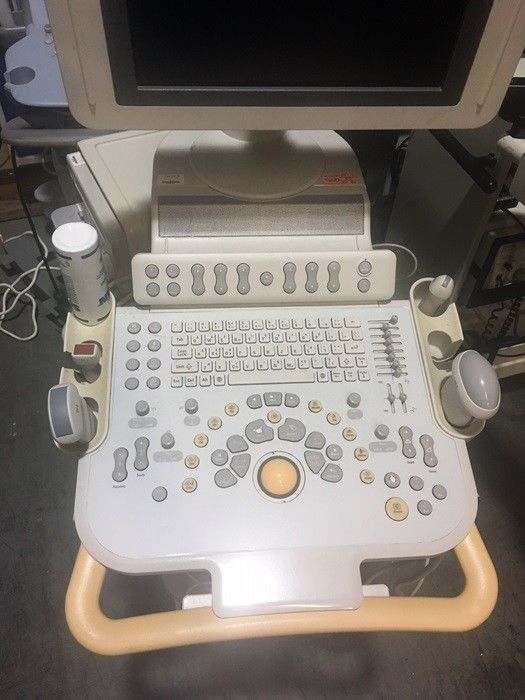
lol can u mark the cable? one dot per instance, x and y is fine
(39, 243)
(6, 306)
(405, 249)
(504, 354)
(419, 578)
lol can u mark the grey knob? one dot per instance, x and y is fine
(382, 431)
(197, 272)
(289, 269)
(243, 284)
(142, 408)
(221, 286)
(191, 406)
(353, 399)
(334, 268)
(311, 269)
(167, 440)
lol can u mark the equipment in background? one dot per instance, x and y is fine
(71, 419)
(494, 290)
(472, 391)
(439, 292)
(78, 253)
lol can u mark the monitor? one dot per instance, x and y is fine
(287, 65)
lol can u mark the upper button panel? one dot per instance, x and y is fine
(229, 278)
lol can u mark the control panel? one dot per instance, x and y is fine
(261, 278)
(277, 449)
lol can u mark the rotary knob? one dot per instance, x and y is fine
(353, 399)
(278, 477)
(381, 432)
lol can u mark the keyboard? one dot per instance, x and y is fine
(267, 351)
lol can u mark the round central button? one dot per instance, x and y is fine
(278, 477)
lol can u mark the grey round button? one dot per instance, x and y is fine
(142, 408)
(334, 452)
(154, 345)
(364, 267)
(353, 399)
(363, 285)
(131, 383)
(134, 327)
(172, 271)
(439, 492)
(132, 364)
(416, 483)
(266, 278)
(167, 440)
(424, 507)
(133, 346)
(151, 271)
(392, 480)
(154, 327)
(173, 289)
(153, 363)
(382, 431)
(219, 457)
(153, 383)
(191, 406)
(159, 494)
(152, 289)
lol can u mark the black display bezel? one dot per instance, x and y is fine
(129, 93)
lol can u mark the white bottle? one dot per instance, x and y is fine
(78, 253)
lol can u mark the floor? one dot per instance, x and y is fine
(38, 543)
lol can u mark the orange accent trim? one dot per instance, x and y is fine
(103, 635)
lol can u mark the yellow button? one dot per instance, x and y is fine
(349, 434)
(315, 406)
(396, 508)
(200, 440)
(192, 461)
(274, 416)
(231, 409)
(214, 423)
(361, 453)
(333, 418)
(278, 477)
(367, 476)
(189, 484)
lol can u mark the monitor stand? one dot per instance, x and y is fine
(257, 165)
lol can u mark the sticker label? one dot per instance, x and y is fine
(170, 179)
(341, 179)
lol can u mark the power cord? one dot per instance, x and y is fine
(39, 243)
(398, 246)
(10, 289)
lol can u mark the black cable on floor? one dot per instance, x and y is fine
(16, 172)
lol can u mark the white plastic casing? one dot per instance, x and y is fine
(266, 555)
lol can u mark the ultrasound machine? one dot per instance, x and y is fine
(265, 410)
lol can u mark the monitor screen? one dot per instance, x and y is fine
(291, 54)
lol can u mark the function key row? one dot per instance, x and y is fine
(264, 324)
